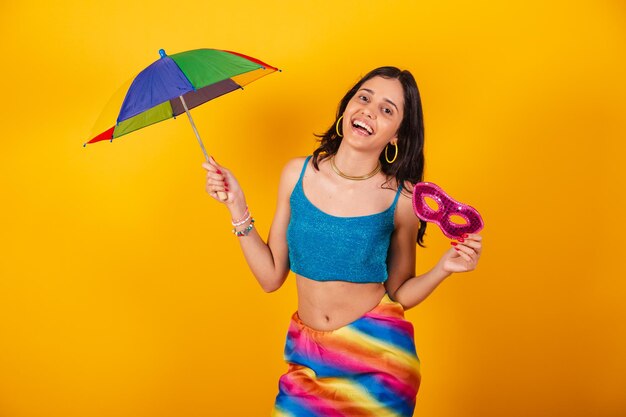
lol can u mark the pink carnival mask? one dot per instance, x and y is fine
(446, 207)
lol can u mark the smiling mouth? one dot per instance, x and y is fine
(362, 128)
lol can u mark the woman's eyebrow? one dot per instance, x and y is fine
(386, 99)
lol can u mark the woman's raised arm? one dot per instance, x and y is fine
(402, 285)
(269, 262)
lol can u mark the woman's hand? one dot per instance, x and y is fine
(220, 179)
(464, 255)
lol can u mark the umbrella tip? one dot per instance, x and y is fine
(162, 53)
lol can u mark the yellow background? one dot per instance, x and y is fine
(123, 292)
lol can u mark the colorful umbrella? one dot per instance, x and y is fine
(174, 84)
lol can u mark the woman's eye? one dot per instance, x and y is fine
(387, 110)
(363, 98)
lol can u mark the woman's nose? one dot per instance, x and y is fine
(367, 112)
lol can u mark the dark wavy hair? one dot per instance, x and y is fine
(409, 165)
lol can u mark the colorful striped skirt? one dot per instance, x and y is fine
(368, 368)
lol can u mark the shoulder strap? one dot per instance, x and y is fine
(395, 200)
(306, 162)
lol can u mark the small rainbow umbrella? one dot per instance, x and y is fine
(174, 84)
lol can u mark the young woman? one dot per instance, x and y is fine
(344, 224)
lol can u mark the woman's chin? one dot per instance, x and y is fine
(359, 142)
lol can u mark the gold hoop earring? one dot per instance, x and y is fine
(337, 126)
(396, 155)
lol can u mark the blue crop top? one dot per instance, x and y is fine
(324, 247)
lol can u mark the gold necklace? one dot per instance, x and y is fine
(351, 177)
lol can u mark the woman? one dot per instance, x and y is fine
(344, 224)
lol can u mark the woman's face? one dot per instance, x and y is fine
(373, 115)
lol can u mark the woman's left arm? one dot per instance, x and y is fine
(402, 285)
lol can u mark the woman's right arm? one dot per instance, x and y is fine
(268, 262)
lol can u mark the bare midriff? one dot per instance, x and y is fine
(330, 305)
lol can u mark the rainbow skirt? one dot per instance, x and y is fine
(368, 368)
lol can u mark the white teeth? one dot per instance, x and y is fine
(363, 125)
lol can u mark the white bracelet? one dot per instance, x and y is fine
(246, 215)
(242, 222)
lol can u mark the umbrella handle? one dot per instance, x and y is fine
(221, 194)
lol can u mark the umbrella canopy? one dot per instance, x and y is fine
(172, 85)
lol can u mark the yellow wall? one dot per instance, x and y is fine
(123, 292)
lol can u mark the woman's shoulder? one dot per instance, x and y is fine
(294, 166)
(291, 171)
(406, 191)
(404, 211)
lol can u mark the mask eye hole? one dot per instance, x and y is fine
(431, 203)
(458, 220)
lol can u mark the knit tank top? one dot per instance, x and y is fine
(324, 247)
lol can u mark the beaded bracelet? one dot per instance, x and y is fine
(245, 217)
(245, 231)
